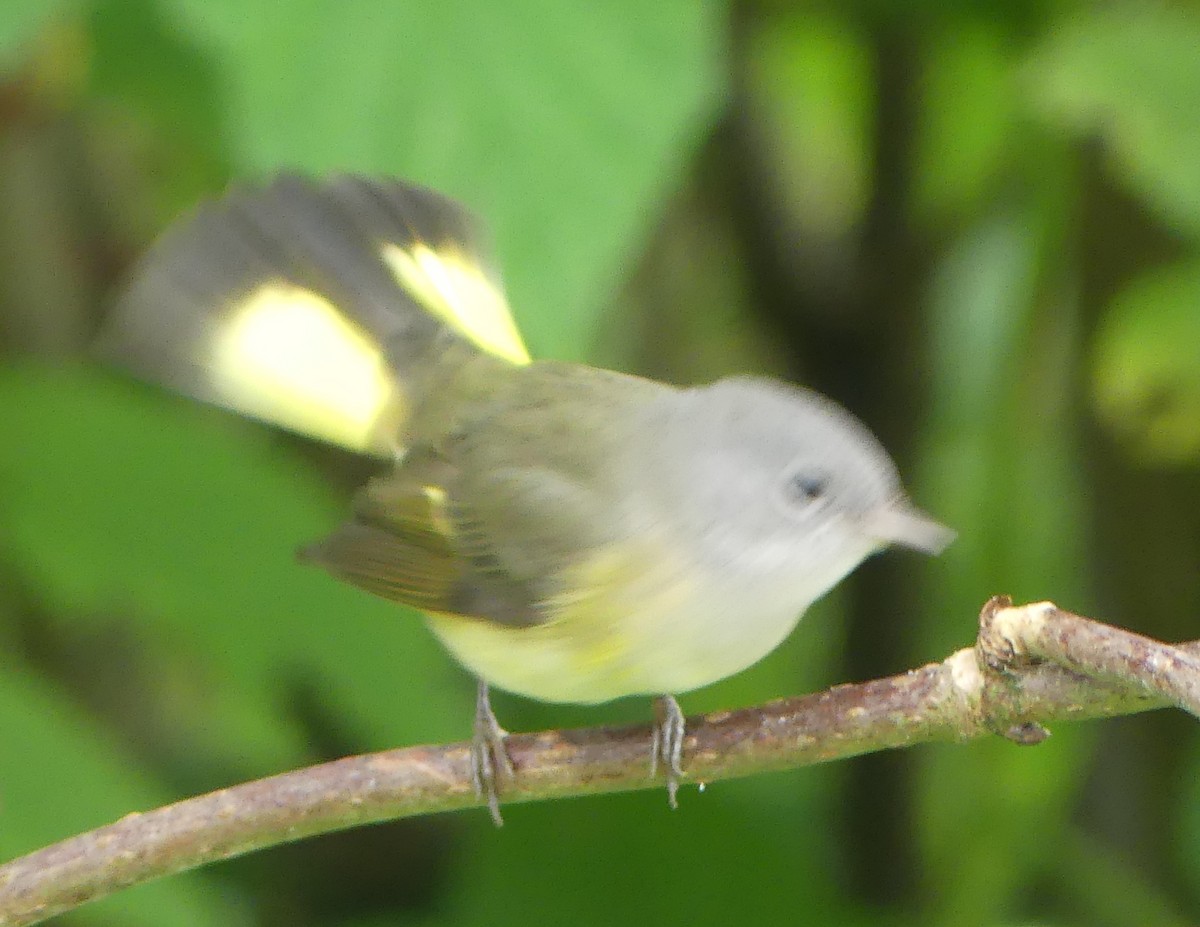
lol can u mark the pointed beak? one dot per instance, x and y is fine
(900, 523)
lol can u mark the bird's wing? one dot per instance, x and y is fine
(498, 554)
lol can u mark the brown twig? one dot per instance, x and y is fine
(996, 687)
(1043, 632)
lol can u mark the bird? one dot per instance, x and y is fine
(571, 534)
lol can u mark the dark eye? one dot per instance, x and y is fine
(807, 487)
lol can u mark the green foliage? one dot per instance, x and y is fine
(967, 119)
(158, 639)
(20, 23)
(536, 114)
(1145, 372)
(1130, 74)
(65, 775)
(812, 75)
(121, 492)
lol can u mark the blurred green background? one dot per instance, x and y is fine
(978, 225)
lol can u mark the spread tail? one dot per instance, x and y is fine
(317, 306)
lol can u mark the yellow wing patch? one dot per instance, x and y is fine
(453, 287)
(288, 356)
(436, 497)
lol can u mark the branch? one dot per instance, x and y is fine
(1032, 665)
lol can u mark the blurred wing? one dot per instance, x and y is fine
(403, 546)
(308, 304)
(411, 543)
(402, 568)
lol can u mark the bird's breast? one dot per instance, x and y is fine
(639, 621)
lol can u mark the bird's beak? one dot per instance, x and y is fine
(900, 523)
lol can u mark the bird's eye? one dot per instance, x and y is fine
(806, 486)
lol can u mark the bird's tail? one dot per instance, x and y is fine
(322, 307)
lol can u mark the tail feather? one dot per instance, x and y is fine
(313, 305)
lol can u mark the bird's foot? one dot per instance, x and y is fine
(489, 754)
(667, 745)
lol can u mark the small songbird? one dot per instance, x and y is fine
(572, 534)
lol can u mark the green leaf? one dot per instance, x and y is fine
(810, 73)
(628, 859)
(564, 125)
(967, 134)
(121, 500)
(156, 110)
(1130, 74)
(21, 20)
(1146, 366)
(59, 776)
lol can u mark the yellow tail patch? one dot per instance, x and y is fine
(288, 356)
(456, 290)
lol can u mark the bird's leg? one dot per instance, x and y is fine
(489, 755)
(667, 745)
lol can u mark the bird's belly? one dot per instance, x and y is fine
(672, 641)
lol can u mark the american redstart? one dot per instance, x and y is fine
(573, 534)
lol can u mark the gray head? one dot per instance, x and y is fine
(774, 478)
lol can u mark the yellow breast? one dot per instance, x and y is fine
(641, 623)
